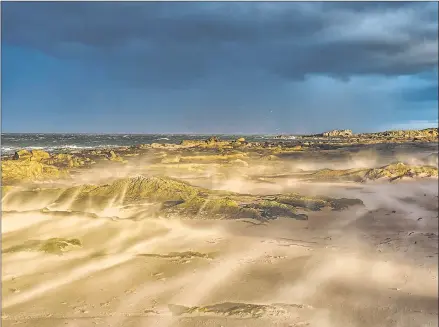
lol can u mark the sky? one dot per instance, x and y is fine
(218, 67)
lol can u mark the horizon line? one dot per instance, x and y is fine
(206, 134)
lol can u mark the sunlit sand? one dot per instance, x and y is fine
(135, 249)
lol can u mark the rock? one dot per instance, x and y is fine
(67, 160)
(241, 310)
(157, 145)
(112, 156)
(16, 171)
(190, 143)
(22, 154)
(284, 137)
(390, 172)
(39, 155)
(174, 198)
(428, 134)
(212, 139)
(52, 246)
(240, 140)
(36, 155)
(338, 133)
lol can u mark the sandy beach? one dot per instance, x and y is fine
(125, 242)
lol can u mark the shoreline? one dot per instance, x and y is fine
(334, 138)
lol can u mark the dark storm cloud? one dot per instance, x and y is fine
(175, 44)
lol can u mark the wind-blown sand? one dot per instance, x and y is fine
(369, 264)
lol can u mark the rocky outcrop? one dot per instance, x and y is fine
(67, 161)
(112, 156)
(427, 135)
(170, 198)
(211, 142)
(338, 133)
(389, 172)
(36, 155)
(17, 171)
(284, 137)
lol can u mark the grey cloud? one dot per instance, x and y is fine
(174, 44)
(424, 94)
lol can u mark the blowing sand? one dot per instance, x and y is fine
(371, 265)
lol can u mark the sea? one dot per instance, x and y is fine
(11, 142)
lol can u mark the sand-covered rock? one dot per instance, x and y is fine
(17, 171)
(67, 160)
(39, 155)
(238, 310)
(36, 155)
(174, 198)
(113, 156)
(52, 246)
(389, 172)
(22, 154)
(211, 158)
